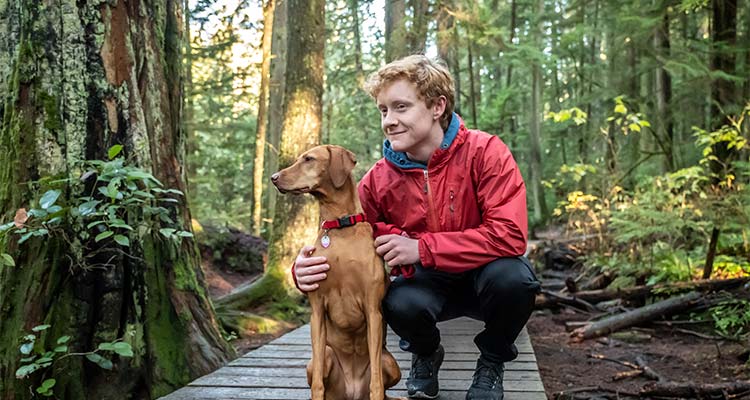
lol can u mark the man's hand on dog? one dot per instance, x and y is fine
(397, 249)
(309, 270)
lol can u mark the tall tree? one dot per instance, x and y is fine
(535, 111)
(663, 85)
(395, 29)
(420, 14)
(276, 104)
(723, 97)
(295, 217)
(84, 76)
(261, 126)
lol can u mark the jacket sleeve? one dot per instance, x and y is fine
(501, 197)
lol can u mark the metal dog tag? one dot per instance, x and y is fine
(325, 241)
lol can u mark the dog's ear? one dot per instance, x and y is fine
(341, 164)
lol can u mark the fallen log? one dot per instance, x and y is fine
(692, 390)
(546, 299)
(635, 317)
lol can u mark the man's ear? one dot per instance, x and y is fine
(341, 164)
(438, 107)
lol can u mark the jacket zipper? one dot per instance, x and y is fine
(452, 209)
(432, 223)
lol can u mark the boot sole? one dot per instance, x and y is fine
(423, 395)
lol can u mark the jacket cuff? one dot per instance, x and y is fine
(425, 255)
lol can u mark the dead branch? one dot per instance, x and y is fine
(635, 317)
(547, 299)
(570, 300)
(692, 390)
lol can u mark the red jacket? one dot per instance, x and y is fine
(467, 207)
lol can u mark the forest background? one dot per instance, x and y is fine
(128, 126)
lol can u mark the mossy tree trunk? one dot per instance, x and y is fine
(295, 219)
(78, 77)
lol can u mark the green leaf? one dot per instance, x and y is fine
(114, 151)
(122, 240)
(26, 370)
(63, 339)
(37, 213)
(88, 207)
(106, 346)
(169, 200)
(48, 384)
(184, 234)
(54, 209)
(44, 360)
(621, 109)
(124, 349)
(103, 236)
(26, 348)
(28, 359)
(93, 224)
(40, 328)
(167, 232)
(61, 349)
(49, 198)
(25, 237)
(6, 259)
(142, 194)
(99, 360)
(6, 227)
(138, 174)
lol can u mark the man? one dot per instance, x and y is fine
(448, 207)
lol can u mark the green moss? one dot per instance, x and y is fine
(165, 333)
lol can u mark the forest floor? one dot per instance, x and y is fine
(676, 356)
(568, 366)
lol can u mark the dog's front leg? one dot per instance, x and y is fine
(318, 338)
(375, 350)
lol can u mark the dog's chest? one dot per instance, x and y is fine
(345, 311)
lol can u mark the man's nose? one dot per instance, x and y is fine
(388, 119)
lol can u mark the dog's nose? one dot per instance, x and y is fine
(275, 177)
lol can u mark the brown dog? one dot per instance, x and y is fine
(349, 358)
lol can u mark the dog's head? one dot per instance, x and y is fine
(316, 171)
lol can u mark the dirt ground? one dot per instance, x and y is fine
(676, 356)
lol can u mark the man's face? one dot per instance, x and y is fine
(407, 122)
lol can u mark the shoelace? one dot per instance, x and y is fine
(486, 376)
(422, 367)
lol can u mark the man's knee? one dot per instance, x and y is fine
(403, 303)
(510, 276)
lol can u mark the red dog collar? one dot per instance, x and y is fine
(343, 222)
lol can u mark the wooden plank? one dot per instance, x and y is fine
(299, 372)
(273, 382)
(211, 393)
(398, 355)
(404, 365)
(463, 347)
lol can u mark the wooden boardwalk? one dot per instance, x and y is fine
(276, 371)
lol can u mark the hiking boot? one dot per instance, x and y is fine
(488, 381)
(423, 376)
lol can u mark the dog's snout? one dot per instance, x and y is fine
(275, 177)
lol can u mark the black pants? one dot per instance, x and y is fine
(501, 294)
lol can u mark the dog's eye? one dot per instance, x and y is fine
(308, 158)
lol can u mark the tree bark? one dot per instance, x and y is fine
(261, 127)
(418, 32)
(276, 104)
(663, 83)
(84, 76)
(708, 266)
(296, 217)
(723, 91)
(472, 87)
(395, 30)
(535, 159)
